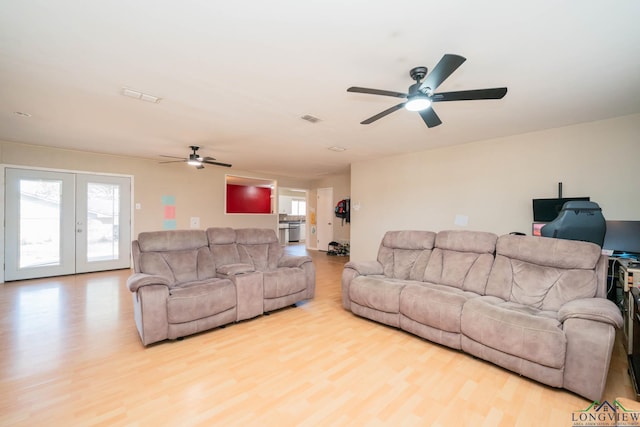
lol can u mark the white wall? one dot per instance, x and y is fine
(198, 193)
(492, 182)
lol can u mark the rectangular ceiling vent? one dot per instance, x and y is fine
(310, 118)
(337, 149)
(139, 95)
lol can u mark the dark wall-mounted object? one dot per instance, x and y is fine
(546, 210)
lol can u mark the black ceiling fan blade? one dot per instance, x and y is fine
(382, 114)
(430, 117)
(377, 92)
(172, 157)
(470, 95)
(174, 161)
(211, 162)
(443, 69)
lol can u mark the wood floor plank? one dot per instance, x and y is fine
(72, 356)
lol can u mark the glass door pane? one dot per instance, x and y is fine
(39, 210)
(103, 215)
(103, 222)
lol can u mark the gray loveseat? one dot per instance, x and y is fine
(189, 281)
(534, 305)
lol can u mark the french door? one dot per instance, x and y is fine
(64, 223)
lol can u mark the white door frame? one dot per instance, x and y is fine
(3, 168)
(324, 217)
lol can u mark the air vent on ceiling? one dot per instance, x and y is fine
(139, 95)
(310, 118)
(336, 148)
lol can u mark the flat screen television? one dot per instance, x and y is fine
(623, 238)
(546, 210)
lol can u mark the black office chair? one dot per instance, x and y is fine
(578, 220)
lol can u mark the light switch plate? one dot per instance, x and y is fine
(461, 220)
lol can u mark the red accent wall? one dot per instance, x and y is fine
(248, 199)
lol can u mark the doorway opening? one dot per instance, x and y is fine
(293, 216)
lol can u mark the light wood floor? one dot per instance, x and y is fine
(71, 356)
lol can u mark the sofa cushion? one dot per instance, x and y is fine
(479, 242)
(516, 329)
(179, 266)
(155, 263)
(222, 244)
(377, 292)
(172, 240)
(434, 305)
(404, 254)
(558, 253)
(198, 300)
(221, 235)
(461, 259)
(284, 281)
(259, 247)
(543, 273)
(233, 269)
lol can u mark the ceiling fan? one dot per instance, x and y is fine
(421, 94)
(195, 160)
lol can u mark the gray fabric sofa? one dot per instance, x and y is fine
(533, 305)
(189, 281)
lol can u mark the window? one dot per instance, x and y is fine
(298, 207)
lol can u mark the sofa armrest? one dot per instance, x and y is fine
(293, 260)
(233, 269)
(598, 309)
(353, 269)
(365, 268)
(305, 263)
(138, 280)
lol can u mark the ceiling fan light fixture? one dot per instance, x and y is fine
(418, 103)
(194, 160)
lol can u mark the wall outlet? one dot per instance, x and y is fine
(195, 222)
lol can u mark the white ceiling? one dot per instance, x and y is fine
(235, 77)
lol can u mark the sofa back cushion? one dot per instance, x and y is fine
(222, 243)
(462, 259)
(171, 240)
(404, 254)
(178, 255)
(259, 247)
(542, 272)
